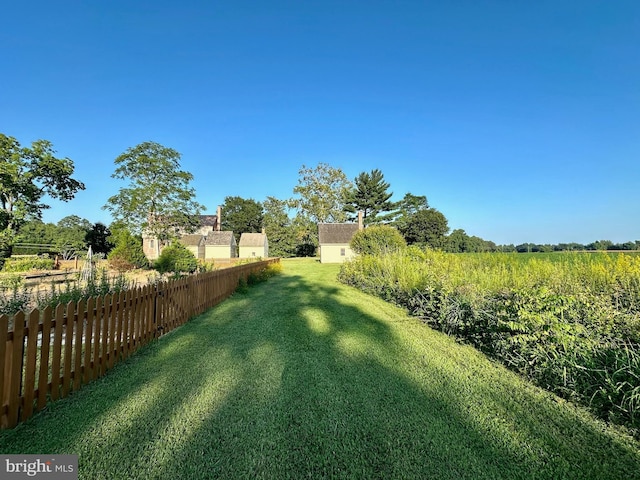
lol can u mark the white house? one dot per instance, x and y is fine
(334, 239)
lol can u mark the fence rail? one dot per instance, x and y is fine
(50, 353)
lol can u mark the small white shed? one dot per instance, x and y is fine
(219, 245)
(195, 244)
(253, 245)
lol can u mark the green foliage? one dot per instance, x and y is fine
(74, 291)
(259, 276)
(279, 228)
(70, 239)
(128, 253)
(15, 297)
(459, 242)
(158, 199)
(407, 207)
(98, 238)
(370, 196)
(426, 227)
(243, 286)
(322, 192)
(377, 240)
(571, 324)
(176, 258)
(25, 264)
(26, 175)
(241, 215)
(10, 281)
(15, 300)
(306, 234)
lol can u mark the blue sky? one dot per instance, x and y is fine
(519, 120)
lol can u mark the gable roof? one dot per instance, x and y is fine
(339, 233)
(252, 240)
(192, 240)
(220, 238)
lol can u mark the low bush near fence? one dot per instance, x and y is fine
(27, 263)
(572, 325)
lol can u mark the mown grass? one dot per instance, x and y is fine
(302, 377)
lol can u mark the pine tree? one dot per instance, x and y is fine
(370, 196)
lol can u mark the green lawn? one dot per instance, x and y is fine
(303, 377)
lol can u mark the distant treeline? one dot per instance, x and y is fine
(571, 247)
(459, 242)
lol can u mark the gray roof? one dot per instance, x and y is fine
(339, 233)
(252, 240)
(191, 240)
(220, 238)
(209, 220)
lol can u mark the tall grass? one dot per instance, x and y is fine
(569, 322)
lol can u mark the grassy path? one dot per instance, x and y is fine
(305, 378)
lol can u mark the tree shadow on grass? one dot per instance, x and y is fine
(296, 380)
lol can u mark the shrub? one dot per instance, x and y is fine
(243, 286)
(18, 299)
(176, 258)
(28, 263)
(127, 254)
(377, 240)
(259, 276)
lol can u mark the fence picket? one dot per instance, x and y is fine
(30, 364)
(106, 315)
(97, 320)
(88, 340)
(77, 348)
(54, 352)
(57, 353)
(113, 331)
(126, 315)
(45, 343)
(68, 348)
(14, 366)
(4, 375)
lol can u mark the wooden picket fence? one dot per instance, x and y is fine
(50, 353)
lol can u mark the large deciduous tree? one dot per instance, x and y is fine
(71, 238)
(241, 215)
(370, 196)
(98, 238)
(26, 175)
(322, 192)
(279, 228)
(426, 227)
(159, 199)
(407, 207)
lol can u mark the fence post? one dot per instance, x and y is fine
(13, 370)
(4, 370)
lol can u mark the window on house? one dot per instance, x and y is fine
(343, 252)
(151, 243)
(253, 254)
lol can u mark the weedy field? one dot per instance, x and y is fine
(568, 321)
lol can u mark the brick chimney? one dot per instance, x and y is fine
(219, 219)
(360, 220)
